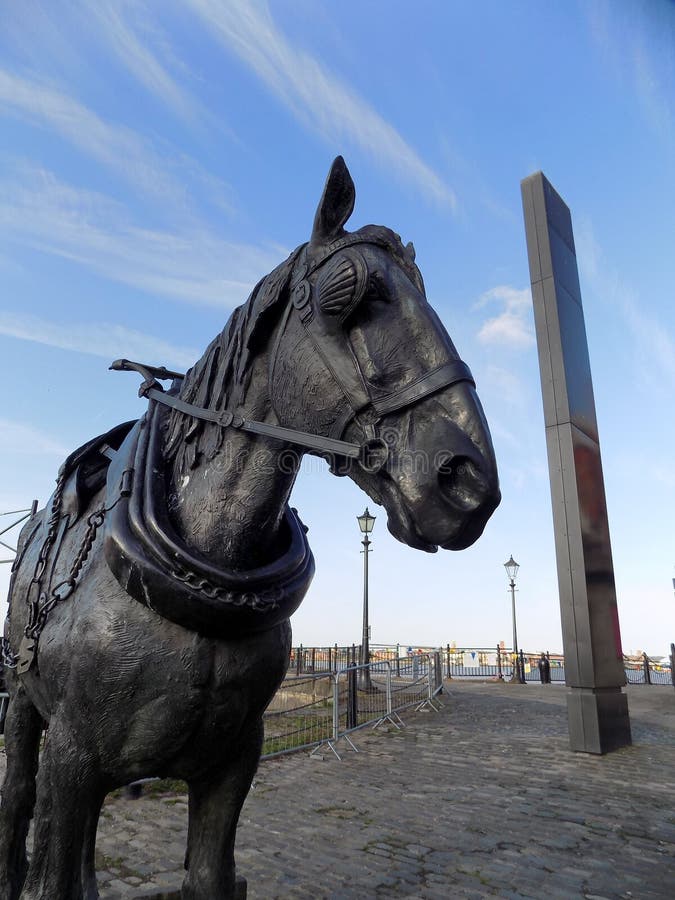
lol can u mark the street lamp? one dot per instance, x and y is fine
(366, 522)
(512, 567)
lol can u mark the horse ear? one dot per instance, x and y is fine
(336, 204)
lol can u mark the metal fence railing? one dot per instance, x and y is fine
(471, 662)
(327, 707)
(319, 704)
(499, 664)
(312, 660)
(647, 671)
(418, 681)
(300, 714)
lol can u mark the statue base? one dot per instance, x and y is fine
(240, 891)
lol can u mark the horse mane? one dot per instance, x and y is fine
(221, 377)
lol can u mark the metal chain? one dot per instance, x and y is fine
(41, 564)
(42, 605)
(65, 588)
(10, 659)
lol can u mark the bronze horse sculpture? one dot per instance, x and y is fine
(150, 600)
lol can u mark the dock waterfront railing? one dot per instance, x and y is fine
(470, 662)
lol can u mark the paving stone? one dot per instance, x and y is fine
(480, 799)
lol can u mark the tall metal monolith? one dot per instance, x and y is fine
(596, 705)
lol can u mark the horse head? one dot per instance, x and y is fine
(361, 356)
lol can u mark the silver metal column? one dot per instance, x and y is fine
(597, 707)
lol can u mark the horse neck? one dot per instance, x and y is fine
(231, 507)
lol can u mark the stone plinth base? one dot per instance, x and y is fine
(598, 719)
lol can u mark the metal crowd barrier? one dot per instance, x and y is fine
(322, 710)
(300, 715)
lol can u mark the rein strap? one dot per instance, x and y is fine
(153, 390)
(371, 455)
(227, 419)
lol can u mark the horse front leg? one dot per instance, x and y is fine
(69, 797)
(214, 807)
(23, 726)
(89, 884)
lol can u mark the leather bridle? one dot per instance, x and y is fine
(330, 343)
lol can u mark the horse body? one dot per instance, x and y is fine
(163, 701)
(339, 341)
(126, 699)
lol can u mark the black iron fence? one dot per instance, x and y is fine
(497, 663)
(647, 671)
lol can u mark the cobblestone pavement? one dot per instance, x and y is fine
(481, 799)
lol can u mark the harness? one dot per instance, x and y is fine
(80, 477)
(340, 285)
(157, 567)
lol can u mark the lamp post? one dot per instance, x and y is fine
(512, 567)
(366, 522)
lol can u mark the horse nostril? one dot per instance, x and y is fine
(461, 482)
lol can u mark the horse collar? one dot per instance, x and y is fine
(158, 569)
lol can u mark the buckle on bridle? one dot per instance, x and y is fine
(228, 419)
(374, 455)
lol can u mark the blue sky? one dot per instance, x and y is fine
(158, 158)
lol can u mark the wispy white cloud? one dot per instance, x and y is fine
(655, 96)
(16, 437)
(506, 384)
(39, 211)
(513, 326)
(104, 339)
(656, 343)
(500, 433)
(117, 147)
(315, 96)
(636, 42)
(653, 341)
(664, 474)
(135, 54)
(114, 146)
(476, 187)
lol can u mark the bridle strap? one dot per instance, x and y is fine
(334, 349)
(349, 380)
(152, 389)
(227, 419)
(442, 377)
(343, 369)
